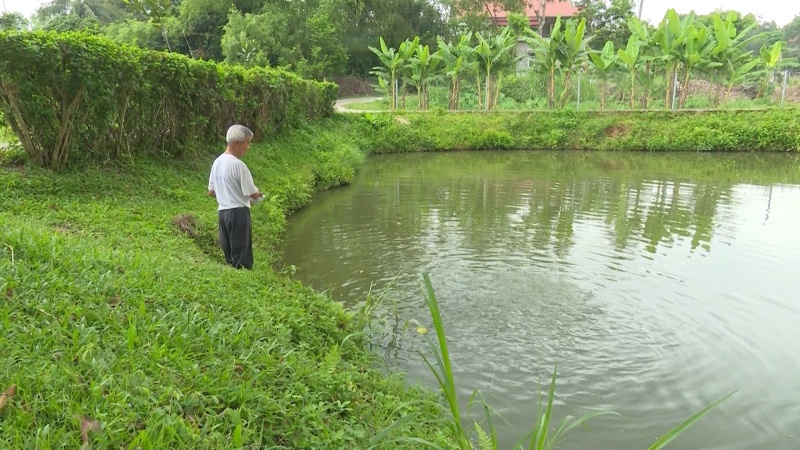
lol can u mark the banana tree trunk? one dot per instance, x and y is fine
(567, 81)
(496, 91)
(633, 89)
(479, 91)
(603, 94)
(453, 94)
(685, 90)
(728, 91)
(670, 83)
(551, 87)
(488, 88)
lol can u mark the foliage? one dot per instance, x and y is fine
(606, 21)
(117, 308)
(752, 131)
(13, 22)
(137, 102)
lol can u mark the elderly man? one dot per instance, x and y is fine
(232, 185)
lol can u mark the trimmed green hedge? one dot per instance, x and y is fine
(760, 130)
(73, 96)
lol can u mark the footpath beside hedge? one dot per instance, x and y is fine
(71, 96)
(762, 130)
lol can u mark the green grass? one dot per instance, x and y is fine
(121, 326)
(117, 309)
(373, 105)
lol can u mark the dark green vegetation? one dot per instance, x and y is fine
(323, 38)
(656, 67)
(117, 308)
(768, 130)
(95, 100)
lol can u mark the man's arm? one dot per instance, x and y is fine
(212, 193)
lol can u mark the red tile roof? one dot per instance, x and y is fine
(554, 9)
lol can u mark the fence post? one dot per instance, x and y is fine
(783, 93)
(578, 107)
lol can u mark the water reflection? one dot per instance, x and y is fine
(658, 283)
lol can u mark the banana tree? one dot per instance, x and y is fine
(604, 62)
(505, 62)
(424, 67)
(492, 52)
(729, 51)
(573, 52)
(392, 61)
(407, 49)
(630, 58)
(770, 57)
(455, 58)
(648, 58)
(548, 56)
(670, 36)
(696, 54)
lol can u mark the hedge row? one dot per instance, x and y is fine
(760, 130)
(70, 96)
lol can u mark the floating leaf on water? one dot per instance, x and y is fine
(422, 330)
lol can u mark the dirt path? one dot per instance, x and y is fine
(339, 105)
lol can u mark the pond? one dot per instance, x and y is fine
(657, 282)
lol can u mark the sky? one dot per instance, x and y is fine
(780, 11)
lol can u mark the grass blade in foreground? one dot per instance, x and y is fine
(677, 431)
(444, 375)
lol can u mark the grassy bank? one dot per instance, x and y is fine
(767, 130)
(120, 325)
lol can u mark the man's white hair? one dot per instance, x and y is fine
(238, 133)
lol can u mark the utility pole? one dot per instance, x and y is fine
(641, 4)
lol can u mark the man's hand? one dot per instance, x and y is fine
(212, 194)
(257, 195)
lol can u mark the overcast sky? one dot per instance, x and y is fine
(781, 11)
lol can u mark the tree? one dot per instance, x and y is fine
(604, 62)
(540, 9)
(548, 52)
(606, 20)
(770, 58)
(573, 52)
(630, 57)
(456, 58)
(104, 11)
(392, 61)
(669, 38)
(157, 11)
(13, 22)
(730, 50)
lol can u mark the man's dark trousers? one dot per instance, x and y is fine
(235, 237)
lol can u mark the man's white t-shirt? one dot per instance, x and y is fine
(232, 182)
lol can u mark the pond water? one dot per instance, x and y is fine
(657, 282)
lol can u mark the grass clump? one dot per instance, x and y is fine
(122, 328)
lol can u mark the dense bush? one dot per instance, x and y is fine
(70, 96)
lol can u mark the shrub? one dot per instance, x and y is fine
(74, 96)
